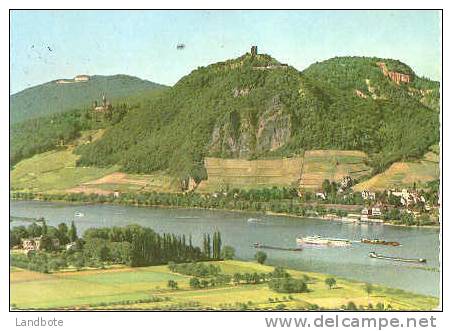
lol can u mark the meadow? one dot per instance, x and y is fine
(124, 288)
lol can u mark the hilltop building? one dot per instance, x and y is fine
(77, 79)
(81, 78)
(105, 106)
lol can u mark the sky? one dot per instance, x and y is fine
(48, 45)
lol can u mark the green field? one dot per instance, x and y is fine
(56, 172)
(52, 171)
(107, 289)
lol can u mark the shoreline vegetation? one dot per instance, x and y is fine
(280, 207)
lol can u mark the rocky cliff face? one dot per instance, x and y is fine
(241, 135)
(395, 76)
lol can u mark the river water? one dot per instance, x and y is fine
(236, 230)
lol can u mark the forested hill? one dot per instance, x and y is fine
(365, 76)
(254, 107)
(67, 94)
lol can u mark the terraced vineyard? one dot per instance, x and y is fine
(239, 173)
(333, 165)
(405, 174)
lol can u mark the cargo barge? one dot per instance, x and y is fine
(379, 242)
(375, 255)
(260, 245)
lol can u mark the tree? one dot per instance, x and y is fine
(172, 284)
(368, 288)
(330, 282)
(72, 232)
(194, 282)
(237, 277)
(34, 230)
(351, 306)
(62, 233)
(46, 243)
(44, 227)
(228, 253)
(260, 257)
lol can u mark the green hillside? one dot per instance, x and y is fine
(63, 95)
(252, 107)
(42, 134)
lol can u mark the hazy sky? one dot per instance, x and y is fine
(46, 45)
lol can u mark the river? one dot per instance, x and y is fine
(352, 262)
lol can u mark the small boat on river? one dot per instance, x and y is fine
(375, 255)
(323, 241)
(79, 214)
(379, 242)
(254, 220)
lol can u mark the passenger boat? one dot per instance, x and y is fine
(379, 242)
(375, 255)
(322, 241)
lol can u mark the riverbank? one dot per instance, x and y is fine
(338, 220)
(146, 289)
(87, 200)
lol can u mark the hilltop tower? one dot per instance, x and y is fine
(253, 50)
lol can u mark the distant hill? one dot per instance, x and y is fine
(67, 94)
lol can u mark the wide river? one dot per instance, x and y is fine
(236, 230)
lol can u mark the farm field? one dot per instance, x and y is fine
(404, 174)
(110, 288)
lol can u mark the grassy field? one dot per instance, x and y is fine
(404, 174)
(157, 181)
(333, 165)
(107, 289)
(53, 171)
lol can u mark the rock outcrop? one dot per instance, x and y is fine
(239, 135)
(397, 77)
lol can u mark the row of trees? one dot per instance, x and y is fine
(141, 246)
(133, 245)
(212, 248)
